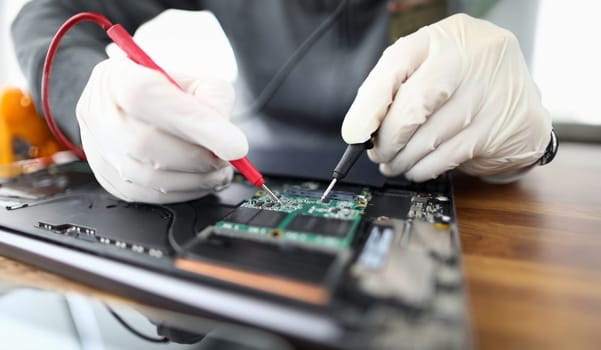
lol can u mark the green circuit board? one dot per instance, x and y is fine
(301, 217)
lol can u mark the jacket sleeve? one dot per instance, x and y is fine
(81, 49)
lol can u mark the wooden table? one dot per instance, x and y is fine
(532, 256)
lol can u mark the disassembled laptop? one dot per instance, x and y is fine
(382, 263)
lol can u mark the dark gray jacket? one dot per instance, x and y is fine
(264, 33)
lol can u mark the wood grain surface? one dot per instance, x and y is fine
(532, 256)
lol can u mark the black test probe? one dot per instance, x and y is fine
(348, 159)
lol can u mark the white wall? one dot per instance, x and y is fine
(567, 59)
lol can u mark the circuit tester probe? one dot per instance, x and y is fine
(349, 158)
(124, 40)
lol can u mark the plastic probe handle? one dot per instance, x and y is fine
(121, 37)
(246, 168)
(349, 158)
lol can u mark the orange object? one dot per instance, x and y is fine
(23, 132)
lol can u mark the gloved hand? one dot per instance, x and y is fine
(147, 141)
(456, 93)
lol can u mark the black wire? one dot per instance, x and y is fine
(135, 331)
(280, 76)
(177, 248)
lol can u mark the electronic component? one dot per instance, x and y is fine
(374, 253)
(267, 218)
(390, 204)
(68, 229)
(389, 268)
(242, 215)
(89, 234)
(349, 158)
(381, 263)
(320, 225)
(252, 249)
(255, 217)
(429, 208)
(300, 217)
(46, 183)
(95, 219)
(300, 191)
(436, 238)
(294, 272)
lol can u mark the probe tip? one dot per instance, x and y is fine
(271, 194)
(327, 191)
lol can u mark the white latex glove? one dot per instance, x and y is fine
(456, 93)
(147, 141)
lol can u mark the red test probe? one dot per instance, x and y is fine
(124, 40)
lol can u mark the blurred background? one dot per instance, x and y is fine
(559, 39)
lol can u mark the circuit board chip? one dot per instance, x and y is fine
(320, 225)
(300, 217)
(299, 191)
(255, 217)
(242, 215)
(268, 218)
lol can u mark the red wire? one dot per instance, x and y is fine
(120, 36)
(103, 22)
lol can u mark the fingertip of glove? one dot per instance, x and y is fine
(233, 145)
(419, 176)
(410, 176)
(350, 135)
(387, 170)
(352, 131)
(375, 156)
